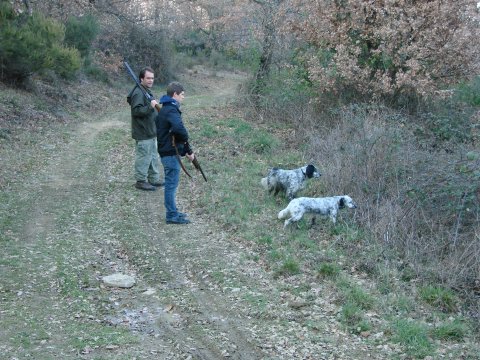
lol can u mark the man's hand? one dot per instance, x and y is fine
(153, 103)
(190, 156)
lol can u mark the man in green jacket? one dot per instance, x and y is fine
(144, 132)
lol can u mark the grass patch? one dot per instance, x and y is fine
(265, 240)
(438, 297)
(289, 267)
(261, 142)
(354, 294)
(96, 336)
(351, 314)
(455, 330)
(241, 128)
(114, 137)
(413, 337)
(328, 270)
(259, 301)
(408, 274)
(402, 304)
(207, 130)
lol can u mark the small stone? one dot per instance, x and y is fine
(149, 291)
(119, 280)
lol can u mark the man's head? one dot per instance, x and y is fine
(146, 77)
(176, 91)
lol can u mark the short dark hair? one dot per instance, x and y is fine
(174, 87)
(144, 70)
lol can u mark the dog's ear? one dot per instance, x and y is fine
(310, 170)
(341, 203)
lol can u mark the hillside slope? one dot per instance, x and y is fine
(209, 290)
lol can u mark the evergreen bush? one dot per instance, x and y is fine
(33, 44)
(80, 32)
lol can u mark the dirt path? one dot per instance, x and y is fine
(76, 217)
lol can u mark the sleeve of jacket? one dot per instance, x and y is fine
(140, 106)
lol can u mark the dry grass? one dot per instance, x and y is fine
(418, 204)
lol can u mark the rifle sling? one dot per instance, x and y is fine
(179, 157)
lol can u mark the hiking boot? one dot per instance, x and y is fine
(143, 185)
(158, 184)
(178, 220)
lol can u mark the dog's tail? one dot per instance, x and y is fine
(264, 183)
(270, 181)
(285, 213)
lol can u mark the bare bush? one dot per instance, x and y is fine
(421, 204)
(387, 48)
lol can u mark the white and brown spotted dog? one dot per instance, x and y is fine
(289, 181)
(327, 206)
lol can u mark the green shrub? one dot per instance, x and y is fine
(438, 297)
(455, 330)
(328, 269)
(289, 267)
(360, 297)
(261, 142)
(80, 32)
(351, 314)
(97, 73)
(469, 93)
(355, 294)
(65, 61)
(33, 44)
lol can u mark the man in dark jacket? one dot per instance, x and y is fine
(169, 126)
(144, 132)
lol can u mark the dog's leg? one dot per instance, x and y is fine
(296, 216)
(290, 195)
(333, 216)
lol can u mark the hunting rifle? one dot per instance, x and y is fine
(194, 161)
(157, 106)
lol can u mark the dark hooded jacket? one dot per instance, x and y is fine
(143, 115)
(169, 123)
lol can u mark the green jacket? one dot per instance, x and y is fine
(143, 115)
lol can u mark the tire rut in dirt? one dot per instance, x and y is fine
(209, 327)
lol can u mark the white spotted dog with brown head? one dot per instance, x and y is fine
(289, 181)
(327, 206)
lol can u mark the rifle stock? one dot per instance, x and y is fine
(195, 162)
(198, 167)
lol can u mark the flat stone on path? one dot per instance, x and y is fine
(119, 280)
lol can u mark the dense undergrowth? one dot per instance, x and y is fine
(415, 170)
(367, 278)
(415, 175)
